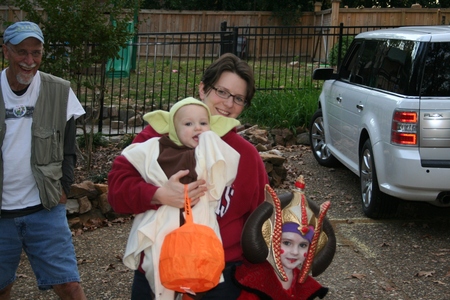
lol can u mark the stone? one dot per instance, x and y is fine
(268, 166)
(117, 124)
(273, 159)
(303, 139)
(101, 188)
(258, 139)
(72, 206)
(113, 111)
(86, 188)
(286, 133)
(280, 171)
(85, 204)
(126, 114)
(103, 203)
(279, 140)
(275, 152)
(135, 121)
(261, 148)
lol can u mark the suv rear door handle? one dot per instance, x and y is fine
(360, 106)
(339, 99)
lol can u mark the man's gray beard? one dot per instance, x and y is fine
(21, 80)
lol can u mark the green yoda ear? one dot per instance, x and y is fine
(162, 121)
(159, 120)
(222, 125)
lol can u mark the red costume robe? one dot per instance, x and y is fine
(260, 282)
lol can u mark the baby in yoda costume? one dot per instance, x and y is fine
(191, 140)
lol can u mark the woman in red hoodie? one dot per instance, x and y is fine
(227, 88)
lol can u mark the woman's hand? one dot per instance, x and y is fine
(172, 192)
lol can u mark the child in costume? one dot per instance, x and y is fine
(283, 242)
(190, 144)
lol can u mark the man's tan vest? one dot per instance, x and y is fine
(47, 142)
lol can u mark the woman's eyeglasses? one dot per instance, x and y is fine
(224, 94)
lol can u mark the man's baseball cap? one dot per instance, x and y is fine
(19, 31)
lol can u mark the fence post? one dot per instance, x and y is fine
(341, 34)
(335, 12)
(224, 39)
(228, 40)
(223, 26)
(235, 41)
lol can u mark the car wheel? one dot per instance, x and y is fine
(318, 141)
(375, 203)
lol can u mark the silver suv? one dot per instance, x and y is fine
(386, 116)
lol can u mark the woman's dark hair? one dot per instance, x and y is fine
(229, 62)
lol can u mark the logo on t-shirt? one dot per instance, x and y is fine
(19, 111)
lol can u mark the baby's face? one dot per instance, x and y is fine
(190, 121)
(294, 249)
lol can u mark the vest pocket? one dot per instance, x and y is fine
(49, 183)
(47, 144)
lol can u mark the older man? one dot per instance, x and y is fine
(37, 139)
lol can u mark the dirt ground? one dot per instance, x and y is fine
(406, 258)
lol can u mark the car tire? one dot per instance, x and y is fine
(318, 142)
(375, 203)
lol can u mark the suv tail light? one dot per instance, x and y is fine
(404, 128)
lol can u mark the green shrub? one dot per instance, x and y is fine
(126, 140)
(99, 140)
(282, 109)
(333, 55)
(98, 178)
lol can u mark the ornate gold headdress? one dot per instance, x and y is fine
(298, 212)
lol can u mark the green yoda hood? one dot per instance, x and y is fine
(162, 121)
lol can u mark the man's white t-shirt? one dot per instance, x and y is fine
(19, 186)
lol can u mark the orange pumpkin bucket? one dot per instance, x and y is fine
(192, 256)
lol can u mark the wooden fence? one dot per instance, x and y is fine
(191, 21)
(162, 21)
(393, 16)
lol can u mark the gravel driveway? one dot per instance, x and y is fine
(404, 258)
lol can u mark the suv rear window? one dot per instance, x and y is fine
(436, 76)
(388, 65)
(392, 71)
(385, 65)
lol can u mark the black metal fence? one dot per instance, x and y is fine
(157, 69)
